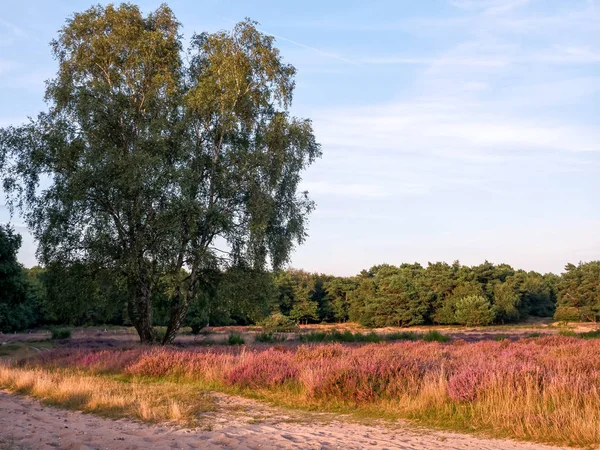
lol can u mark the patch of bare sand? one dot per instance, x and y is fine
(237, 424)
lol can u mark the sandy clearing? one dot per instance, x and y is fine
(238, 424)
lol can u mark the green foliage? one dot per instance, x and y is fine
(506, 303)
(567, 314)
(595, 334)
(402, 336)
(590, 335)
(279, 323)
(151, 159)
(579, 289)
(83, 294)
(473, 310)
(235, 339)
(19, 304)
(348, 336)
(435, 336)
(339, 336)
(304, 311)
(60, 333)
(269, 337)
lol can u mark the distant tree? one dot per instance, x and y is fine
(82, 294)
(339, 292)
(506, 302)
(446, 311)
(305, 309)
(153, 161)
(360, 299)
(579, 286)
(18, 304)
(567, 314)
(474, 310)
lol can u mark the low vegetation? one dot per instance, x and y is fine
(269, 337)
(60, 333)
(348, 336)
(544, 389)
(235, 339)
(147, 401)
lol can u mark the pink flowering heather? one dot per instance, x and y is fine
(365, 373)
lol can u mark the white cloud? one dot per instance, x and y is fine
(427, 126)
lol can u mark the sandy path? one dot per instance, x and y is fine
(238, 424)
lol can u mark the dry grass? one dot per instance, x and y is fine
(106, 396)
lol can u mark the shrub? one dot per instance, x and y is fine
(567, 314)
(279, 323)
(435, 336)
(235, 339)
(339, 336)
(590, 334)
(473, 310)
(586, 335)
(402, 336)
(269, 337)
(60, 333)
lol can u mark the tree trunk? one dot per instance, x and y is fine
(140, 314)
(179, 308)
(180, 303)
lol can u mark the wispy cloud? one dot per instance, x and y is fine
(12, 28)
(445, 61)
(490, 7)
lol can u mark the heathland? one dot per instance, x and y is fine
(538, 382)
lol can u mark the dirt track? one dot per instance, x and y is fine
(237, 424)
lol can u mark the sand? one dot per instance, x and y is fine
(237, 423)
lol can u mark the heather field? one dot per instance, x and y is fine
(543, 389)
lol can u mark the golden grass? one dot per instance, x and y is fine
(107, 396)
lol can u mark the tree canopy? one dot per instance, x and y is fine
(153, 166)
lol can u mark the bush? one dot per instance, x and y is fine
(567, 314)
(348, 336)
(473, 310)
(590, 335)
(339, 336)
(61, 333)
(435, 336)
(586, 335)
(401, 336)
(269, 337)
(235, 339)
(279, 323)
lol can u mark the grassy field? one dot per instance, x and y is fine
(544, 389)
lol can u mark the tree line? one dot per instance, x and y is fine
(384, 295)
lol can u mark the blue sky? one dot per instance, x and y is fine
(456, 129)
